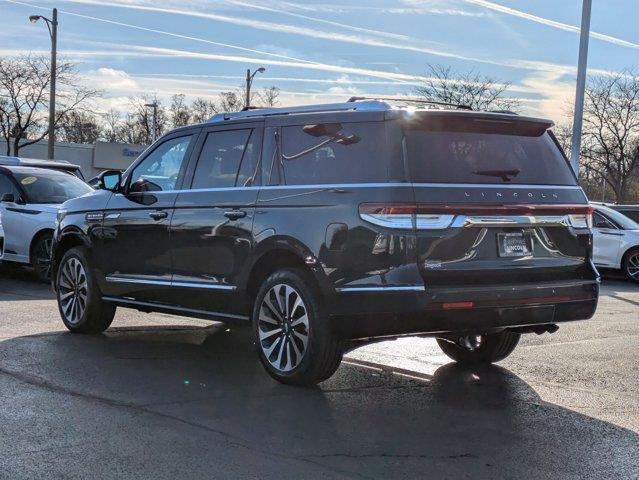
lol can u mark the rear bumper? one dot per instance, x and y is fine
(413, 309)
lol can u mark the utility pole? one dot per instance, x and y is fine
(154, 133)
(52, 25)
(581, 86)
(249, 81)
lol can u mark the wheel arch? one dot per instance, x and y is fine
(278, 254)
(66, 240)
(37, 236)
(628, 251)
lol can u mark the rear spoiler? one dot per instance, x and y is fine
(478, 122)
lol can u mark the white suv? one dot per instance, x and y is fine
(616, 241)
(29, 202)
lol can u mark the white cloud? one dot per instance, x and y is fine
(556, 94)
(286, 28)
(412, 7)
(112, 79)
(258, 6)
(551, 23)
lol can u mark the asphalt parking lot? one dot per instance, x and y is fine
(160, 397)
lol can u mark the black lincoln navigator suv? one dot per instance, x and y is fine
(329, 226)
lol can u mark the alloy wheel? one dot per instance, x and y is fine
(283, 327)
(43, 258)
(72, 290)
(633, 266)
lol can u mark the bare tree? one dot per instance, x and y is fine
(235, 100)
(232, 101)
(563, 133)
(202, 110)
(24, 98)
(610, 136)
(79, 127)
(111, 124)
(479, 92)
(137, 125)
(179, 111)
(269, 97)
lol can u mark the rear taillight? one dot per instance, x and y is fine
(404, 216)
(441, 216)
(391, 216)
(581, 220)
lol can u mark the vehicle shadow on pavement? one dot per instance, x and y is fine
(18, 283)
(194, 402)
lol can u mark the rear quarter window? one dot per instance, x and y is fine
(334, 153)
(485, 157)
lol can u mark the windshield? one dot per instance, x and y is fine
(469, 156)
(619, 218)
(51, 186)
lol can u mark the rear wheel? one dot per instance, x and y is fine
(292, 332)
(79, 301)
(480, 349)
(631, 265)
(41, 257)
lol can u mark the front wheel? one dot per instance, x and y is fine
(292, 333)
(41, 257)
(79, 300)
(480, 349)
(631, 265)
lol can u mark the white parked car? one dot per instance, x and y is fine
(30, 198)
(1, 238)
(616, 241)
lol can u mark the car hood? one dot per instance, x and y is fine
(96, 200)
(48, 208)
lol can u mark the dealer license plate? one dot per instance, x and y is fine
(513, 244)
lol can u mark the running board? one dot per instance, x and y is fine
(149, 307)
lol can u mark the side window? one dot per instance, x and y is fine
(227, 157)
(600, 221)
(7, 186)
(335, 153)
(270, 157)
(160, 170)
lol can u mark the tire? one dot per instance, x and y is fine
(630, 265)
(41, 257)
(293, 339)
(79, 300)
(491, 348)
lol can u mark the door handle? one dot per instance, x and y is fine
(158, 215)
(235, 214)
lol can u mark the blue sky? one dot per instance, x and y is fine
(325, 50)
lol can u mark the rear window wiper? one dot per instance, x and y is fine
(505, 175)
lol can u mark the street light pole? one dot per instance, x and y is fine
(52, 25)
(249, 81)
(581, 86)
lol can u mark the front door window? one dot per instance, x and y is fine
(160, 170)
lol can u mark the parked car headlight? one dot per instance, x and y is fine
(60, 216)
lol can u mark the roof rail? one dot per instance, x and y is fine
(368, 106)
(507, 112)
(412, 100)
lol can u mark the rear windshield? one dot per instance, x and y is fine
(498, 156)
